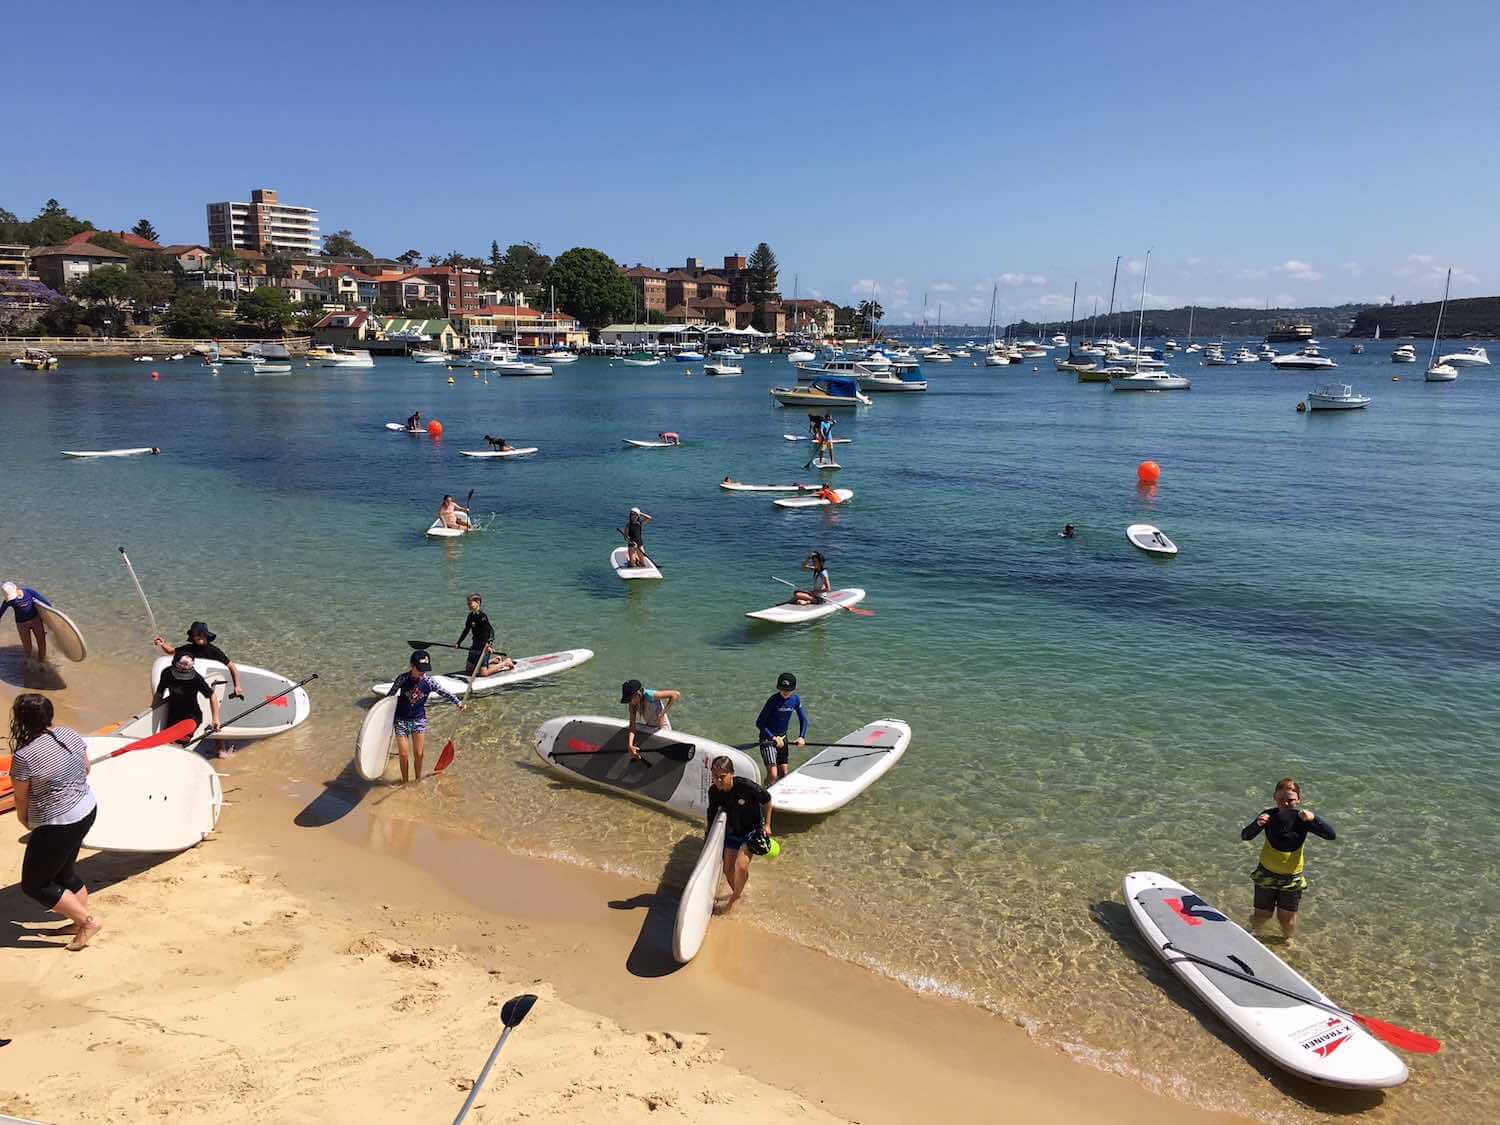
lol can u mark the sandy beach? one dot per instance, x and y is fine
(315, 960)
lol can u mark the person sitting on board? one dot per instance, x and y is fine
(1278, 877)
(180, 687)
(477, 627)
(635, 542)
(412, 689)
(200, 646)
(669, 437)
(414, 422)
(648, 710)
(773, 722)
(822, 586)
(29, 624)
(827, 493)
(746, 806)
(1068, 531)
(50, 773)
(453, 514)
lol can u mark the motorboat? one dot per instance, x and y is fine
(1061, 341)
(489, 357)
(725, 353)
(36, 359)
(426, 355)
(1030, 349)
(722, 367)
(687, 355)
(559, 355)
(963, 353)
(801, 356)
(889, 381)
(1406, 353)
(1267, 352)
(1140, 362)
(937, 355)
(1170, 345)
(1073, 365)
(250, 359)
(906, 367)
(844, 366)
(1213, 356)
(1149, 381)
(640, 359)
(996, 359)
(349, 357)
(272, 367)
(522, 367)
(1245, 355)
(1336, 396)
(1193, 348)
(825, 392)
(1306, 358)
(1470, 357)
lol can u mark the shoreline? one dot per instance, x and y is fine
(785, 1017)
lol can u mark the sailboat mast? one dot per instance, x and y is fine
(1432, 356)
(1190, 324)
(1109, 321)
(1140, 328)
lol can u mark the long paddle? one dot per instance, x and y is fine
(445, 759)
(173, 733)
(849, 608)
(818, 746)
(251, 710)
(511, 1015)
(645, 556)
(676, 751)
(151, 617)
(1394, 1034)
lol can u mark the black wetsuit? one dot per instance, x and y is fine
(181, 696)
(478, 628)
(742, 805)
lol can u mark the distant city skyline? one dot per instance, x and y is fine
(1262, 154)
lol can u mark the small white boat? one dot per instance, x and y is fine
(825, 393)
(1267, 352)
(346, 357)
(1061, 341)
(1470, 357)
(688, 355)
(558, 355)
(271, 368)
(522, 367)
(1307, 358)
(1149, 381)
(422, 356)
(618, 559)
(722, 369)
(1406, 353)
(996, 359)
(245, 360)
(844, 495)
(937, 356)
(1150, 539)
(1245, 355)
(889, 381)
(1336, 396)
(110, 452)
(802, 356)
(1437, 370)
(641, 359)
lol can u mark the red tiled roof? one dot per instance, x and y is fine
(178, 249)
(644, 271)
(133, 240)
(77, 250)
(357, 317)
(710, 303)
(680, 275)
(711, 279)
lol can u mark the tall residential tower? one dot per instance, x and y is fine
(265, 224)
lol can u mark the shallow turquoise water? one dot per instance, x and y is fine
(1079, 709)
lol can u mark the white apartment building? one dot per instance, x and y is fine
(265, 224)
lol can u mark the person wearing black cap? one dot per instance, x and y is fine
(648, 710)
(200, 646)
(180, 687)
(774, 722)
(412, 689)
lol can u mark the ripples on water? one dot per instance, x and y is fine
(1079, 709)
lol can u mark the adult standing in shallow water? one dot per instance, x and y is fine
(50, 772)
(200, 646)
(1278, 877)
(29, 624)
(747, 808)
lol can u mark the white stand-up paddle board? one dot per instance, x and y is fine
(790, 613)
(836, 775)
(1306, 1039)
(400, 429)
(844, 495)
(492, 454)
(695, 910)
(826, 466)
(63, 634)
(372, 747)
(162, 799)
(617, 559)
(527, 668)
(833, 441)
(651, 444)
(440, 530)
(1150, 539)
(287, 709)
(107, 452)
(674, 772)
(736, 486)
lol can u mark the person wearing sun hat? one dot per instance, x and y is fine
(200, 646)
(29, 624)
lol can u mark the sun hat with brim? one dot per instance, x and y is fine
(11, 591)
(200, 627)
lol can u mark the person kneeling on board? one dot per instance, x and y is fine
(498, 444)
(414, 422)
(29, 624)
(826, 493)
(1278, 877)
(477, 627)
(412, 689)
(747, 809)
(635, 541)
(200, 646)
(180, 687)
(648, 710)
(669, 437)
(822, 586)
(773, 722)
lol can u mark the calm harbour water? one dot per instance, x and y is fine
(1079, 709)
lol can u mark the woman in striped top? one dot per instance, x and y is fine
(50, 772)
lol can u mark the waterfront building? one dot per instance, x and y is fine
(60, 266)
(14, 260)
(650, 287)
(264, 223)
(809, 318)
(344, 329)
(440, 333)
(525, 327)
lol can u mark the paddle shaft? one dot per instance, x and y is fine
(645, 556)
(681, 751)
(151, 617)
(249, 711)
(846, 608)
(483, 1074)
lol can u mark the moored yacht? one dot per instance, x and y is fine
(1406, 353)
(1149, 381)
(1306, 358)
(1470, 357)
(1336, 396)
(349, 357)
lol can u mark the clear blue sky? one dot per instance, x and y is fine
(1293, 152)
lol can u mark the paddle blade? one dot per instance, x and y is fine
(445, 759)
(516, 1009)
(1403, 1037)
(174, 733)
(861, 612)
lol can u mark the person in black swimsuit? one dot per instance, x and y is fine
(481, 636)
(747, 808)
(180, 687)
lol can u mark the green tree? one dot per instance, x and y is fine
(761, 283)
(195, 315)
(341, 244)
(53, 225)
(63, 319)
(590, 286)
(278, 265)
(868, 314)
(410, 258)
(523, 269)
(147, 291)
(8, 218)
(268, 309)
(108, 287)
(144, 229)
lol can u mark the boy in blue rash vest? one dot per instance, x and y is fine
(29, 624)
(773, 722)
(412, 689)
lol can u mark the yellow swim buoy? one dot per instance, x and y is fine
(450, 380)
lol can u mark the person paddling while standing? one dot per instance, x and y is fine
(825, 440)
(483, 660)
(29, 624)
(822, 585)
(747, 812)
(180, 687)
(50, 772)
(200, 646)
(648, 711)
(1278, 877)
(412, 690)
(773, 723)
(635, 538)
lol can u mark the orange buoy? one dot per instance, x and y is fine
(434, 429)
(1148, 472)
(156, 375)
